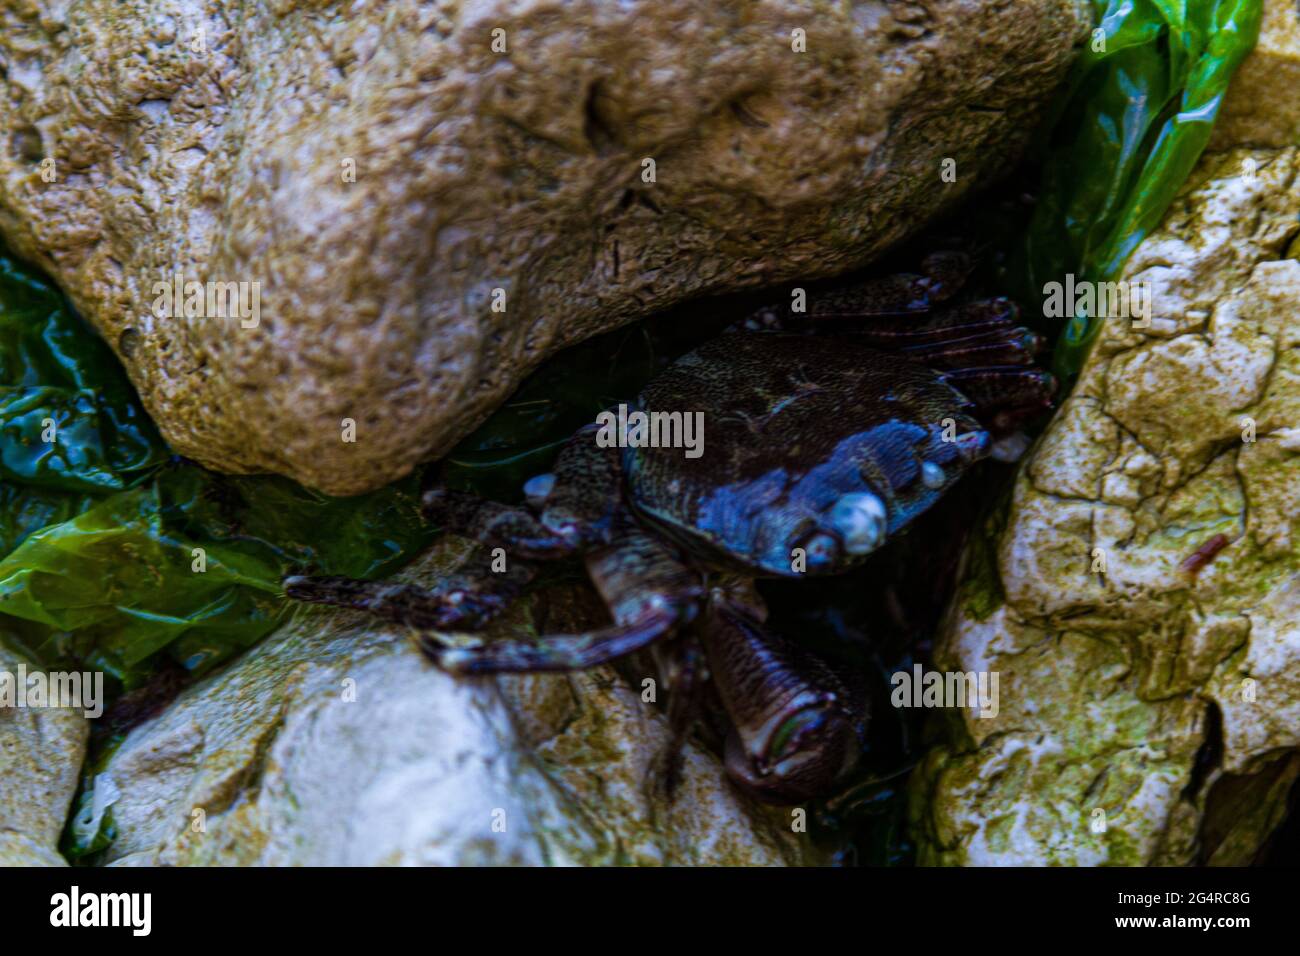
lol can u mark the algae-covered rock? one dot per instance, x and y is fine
(41, 749)
(335, 742)
(425, 198)
(1141, 595)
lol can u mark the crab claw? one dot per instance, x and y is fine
(799, 757)
(796, 728)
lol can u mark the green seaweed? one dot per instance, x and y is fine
(1138, 112)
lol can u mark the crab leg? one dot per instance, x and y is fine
(685, 674)
(899, 295)
(952, 323)
(472, 596)
(977, 333)
(464, 601)
(585, 491)
(578, 509)
(1001, 388)
(649, 594)
(576, 504)
(496, 525)
(1014, 346)
(895, 295)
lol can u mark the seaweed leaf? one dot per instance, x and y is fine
(1141, 104)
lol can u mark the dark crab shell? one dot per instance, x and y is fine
(792, 425)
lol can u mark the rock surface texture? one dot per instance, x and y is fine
(1140, 598)
(41, 750)
(1262, 108)
(335, 743)
(434, 196)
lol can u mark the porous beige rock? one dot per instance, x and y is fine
(41, 750)
(1149, 707)
(391, 180)
(1262, 107)
(334, 742)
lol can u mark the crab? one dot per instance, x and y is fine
(828, 431)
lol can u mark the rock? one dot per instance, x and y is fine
(334, 743)
(1261, 108)
(1149, 712)
(429, 218)
(41, 750)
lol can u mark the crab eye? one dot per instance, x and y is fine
(860, 519)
